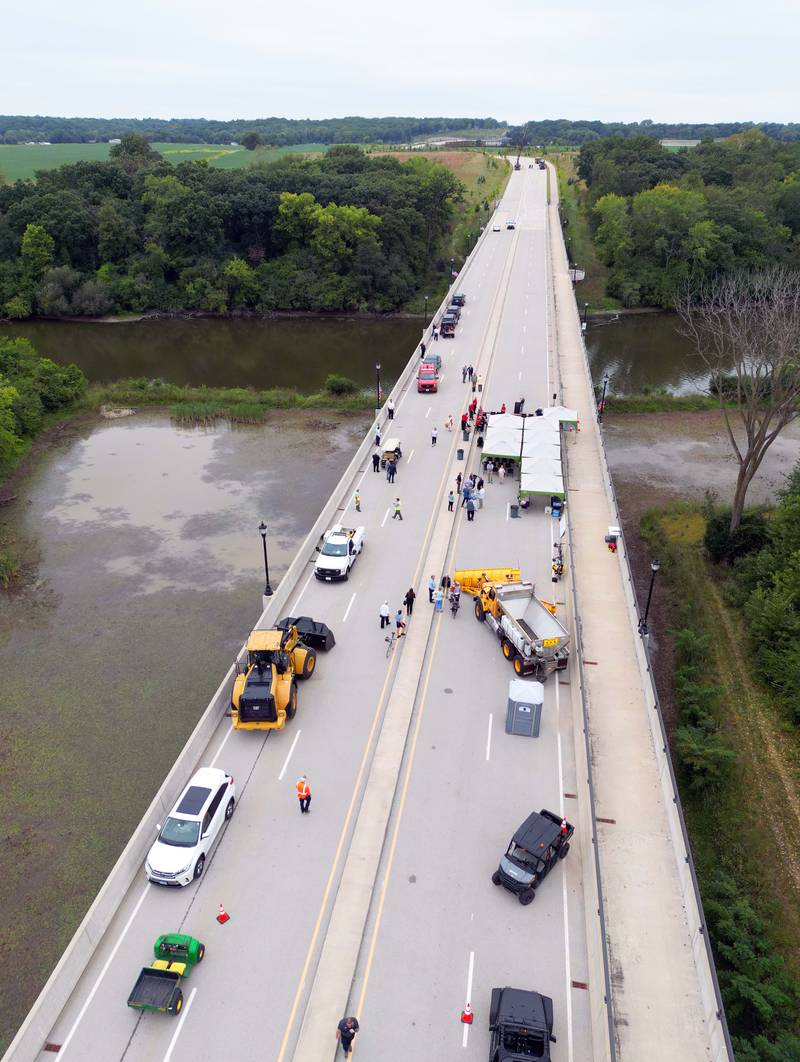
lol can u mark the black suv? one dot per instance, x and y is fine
(521, 1024)
(459, 299)
(534, 850)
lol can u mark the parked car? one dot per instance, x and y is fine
(458, 299)
(192, 828)
(511, 224)
(427, 378)
(521, 1024)
(448, 325)
(495, 228)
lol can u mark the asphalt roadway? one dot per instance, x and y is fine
(438, 931)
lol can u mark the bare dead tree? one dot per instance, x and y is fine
(746, 329)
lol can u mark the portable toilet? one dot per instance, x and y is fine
(524, 711)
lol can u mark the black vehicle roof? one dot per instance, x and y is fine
(193, 800)
(520, 1007)
(536, 833)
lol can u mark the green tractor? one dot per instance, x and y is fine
(158, 985)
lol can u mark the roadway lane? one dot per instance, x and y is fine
(439, 932)
(275, 872)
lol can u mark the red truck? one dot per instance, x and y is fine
(427, 378)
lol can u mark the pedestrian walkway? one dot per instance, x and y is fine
(656, 979)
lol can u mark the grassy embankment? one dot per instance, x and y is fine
(572, 195)
(21, 161)
(745, 825)
(468, 216)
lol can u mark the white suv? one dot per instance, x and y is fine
(192, 828)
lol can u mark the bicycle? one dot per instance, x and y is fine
(390, 639)
(454, 603)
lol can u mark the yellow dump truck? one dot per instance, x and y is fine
(530, 635)
(264, 693)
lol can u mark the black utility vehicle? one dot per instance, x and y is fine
(459, 299)
(448, 325)
(454, 310)
(521, 1024)
(534, 850)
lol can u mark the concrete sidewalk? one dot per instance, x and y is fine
(659, 988)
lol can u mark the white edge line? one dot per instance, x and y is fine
(428, 412)
(465, 1037)
(489, 738)
(347, 610)
(181, 1020)
(508, 509)
(408, 462)
(296, 604)
(103, 972)
(289, 756)
(385, 516)
(221, 746)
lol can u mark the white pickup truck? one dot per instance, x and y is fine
(338, 552)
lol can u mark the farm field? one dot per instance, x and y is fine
(20, 161)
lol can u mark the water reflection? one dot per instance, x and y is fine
(646, 352)
(281, 352)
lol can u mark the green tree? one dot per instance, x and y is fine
(134, 153)
(241, 281)
(251, 140)
(613, 231)
(10, 442)
(18, 307)
(37, 253)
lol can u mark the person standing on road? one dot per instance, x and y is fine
(431, 588)
(391, 471)
(465, 494)
(398, 622)
(470, 510)
(384, 614)
(470, 371)
(397, 514)
(501, 473)
(490, 471)
(408, 601)
(450, 501)
(376, 460)
(390, 409)
(464, 371)
(303, 794)
(435, 333)
(346, 1032)
(357, 500)
(481, 495)
(458, 483)
(464, 421)
(438, 599)
(377, 435)
(422, 349)
(434, 435)
(474, 383)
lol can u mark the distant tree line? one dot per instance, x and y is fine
(19, 129)
(662, 219)
(576, 133)
(344, 231)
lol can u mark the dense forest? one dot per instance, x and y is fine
(662, 219)
(344, 231)
(564, 131)
(19, 129)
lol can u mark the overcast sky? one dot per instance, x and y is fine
(670, 60)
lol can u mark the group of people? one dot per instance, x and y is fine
(448, 589)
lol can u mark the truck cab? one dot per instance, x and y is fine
(427, 378)
(448, 325)
(521, 1025)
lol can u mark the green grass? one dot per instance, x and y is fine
(20, 161)
(572, 198)
(661, 402)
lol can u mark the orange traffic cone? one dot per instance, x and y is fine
(466, 1015)
(223, 916)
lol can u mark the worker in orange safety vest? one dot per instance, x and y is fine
(303, 794)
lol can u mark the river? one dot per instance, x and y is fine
(294, 352)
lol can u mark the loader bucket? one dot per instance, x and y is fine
(470, 578)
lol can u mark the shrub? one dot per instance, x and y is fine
(340, 385)
(725, 547)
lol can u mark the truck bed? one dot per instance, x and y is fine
(535, 620)
(153, 989)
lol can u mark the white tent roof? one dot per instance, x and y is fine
(544, 478)
(561, 414)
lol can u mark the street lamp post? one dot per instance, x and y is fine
(654, 566)
(377, 386)
(262, 527)
(452, 269)
(585, 312)
(602, 405)
(426, 314)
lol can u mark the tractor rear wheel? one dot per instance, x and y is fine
(176, 1005)
(309, 664)
(201, 952)
(291, 704)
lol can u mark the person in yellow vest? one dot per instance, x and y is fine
(303, 794)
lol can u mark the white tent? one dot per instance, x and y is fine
(541, 477)
(561, 414)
